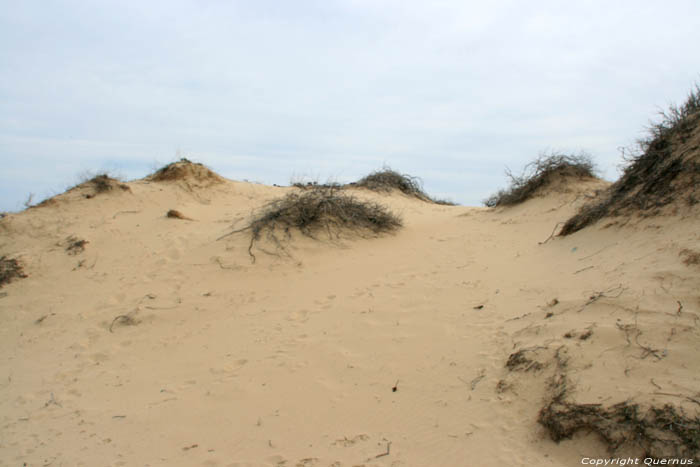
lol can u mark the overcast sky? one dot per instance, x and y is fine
(452, 91)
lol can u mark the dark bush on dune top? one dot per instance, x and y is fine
(103, 183)
(540, 173)
(387, 180)
(664, 170)
(184, 169)
(320, 209)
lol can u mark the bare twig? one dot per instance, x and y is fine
(126, 318)
(478, 378)
(599, 251)
(388, 451)
(551, 236)
(124, 212)
(604, 294)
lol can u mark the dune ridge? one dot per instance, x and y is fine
(153, 343)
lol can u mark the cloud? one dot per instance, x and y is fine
(455, 90)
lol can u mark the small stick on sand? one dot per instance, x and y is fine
(551, 236)
(388, 451)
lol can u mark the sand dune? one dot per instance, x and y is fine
(138, 338)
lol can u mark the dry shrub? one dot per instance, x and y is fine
(661, 433)
(100, 184)
(386, 180)
(519, 362)
(10, 269)
(75, 245)
(540, 173)
(184, 169)
(691, 257)
(664, 169)
(103, 183)
(320, 210)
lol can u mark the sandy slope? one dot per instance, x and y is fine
(291, 361)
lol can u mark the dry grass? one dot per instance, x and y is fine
(75, 245)
(325, 210)
(185, 169)
(660, 432)
(691, 257)
(665, 169)
(387, 180)
(103, 183)
(540, 173)
(10, 269)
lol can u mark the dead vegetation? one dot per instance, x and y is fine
(540, 173)
(691, 258)
(325, 210)
(664, 170)
(174, 214)
(129, 319)
(75, 245)
(519, 361)
(10, 269)
(656, 432)
(103, 183)
(386, 180)
(659, 432)
(185, 170)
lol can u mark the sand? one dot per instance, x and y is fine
(153, 343)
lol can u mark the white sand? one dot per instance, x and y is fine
(291, 361)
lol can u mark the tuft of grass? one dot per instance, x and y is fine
(540, 173)
(658, 173)
(316, 210)
(10, 269)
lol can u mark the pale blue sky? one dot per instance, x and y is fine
(451, 91)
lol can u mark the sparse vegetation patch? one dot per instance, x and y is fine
(540, 173)
(690, 257)
(185, 169)
(665, 169)
(10, 269)
(103, 183)
(75, 245)
(660, 432)
(388, 180)
(319, 210)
